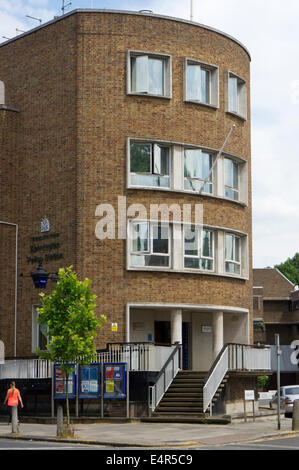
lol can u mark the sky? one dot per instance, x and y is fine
(270, 31)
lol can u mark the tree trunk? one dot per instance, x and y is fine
(67, 402)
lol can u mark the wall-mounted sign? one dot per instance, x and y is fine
(114, 326)
(43, 248)
(45, 225)
(206, 329)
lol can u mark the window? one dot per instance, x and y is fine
(237, 95)
(197, 170)
(150, 244)
(198, 249)
(149, 165)
(149, 74)
(232, 254)
(231, 177)
(201, 83)
(39, 332)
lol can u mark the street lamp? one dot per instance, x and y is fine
(40, 277)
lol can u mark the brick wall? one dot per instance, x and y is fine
(68, 79)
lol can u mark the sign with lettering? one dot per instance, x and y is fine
(249, 395)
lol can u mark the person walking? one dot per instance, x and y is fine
(13, 397)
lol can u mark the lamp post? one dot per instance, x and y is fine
(40, 277)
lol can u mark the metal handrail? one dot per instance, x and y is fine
(223, 363)
(152, 391)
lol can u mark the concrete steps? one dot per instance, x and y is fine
(184, 398)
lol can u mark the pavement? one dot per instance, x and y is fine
(158, 435)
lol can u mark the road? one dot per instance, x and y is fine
(282, 443)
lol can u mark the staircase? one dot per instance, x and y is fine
(183, 401)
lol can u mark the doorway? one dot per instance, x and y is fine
(163, 336)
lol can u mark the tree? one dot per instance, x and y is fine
(290, 269)
(68, 314)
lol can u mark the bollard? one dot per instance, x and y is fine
(295, 420)
(59, 420)
(14, 420)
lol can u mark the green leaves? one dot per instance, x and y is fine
(290, 268)
(68, 314)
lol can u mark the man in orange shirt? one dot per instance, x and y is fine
(13, 397)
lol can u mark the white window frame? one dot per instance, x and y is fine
(235, 190)
(234, 260)
(35, 329)
(176, 170)
(150, 252)
(154, 146)
(213, 83)
(200, 231)
(213, 174)
(167, 73)
(241, 96)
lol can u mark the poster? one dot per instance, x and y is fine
(60, 383)
(89, 381)
(114, 380)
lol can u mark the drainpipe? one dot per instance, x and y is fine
(16, 284)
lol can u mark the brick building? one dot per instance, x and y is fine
(275, 303)
(116, 113)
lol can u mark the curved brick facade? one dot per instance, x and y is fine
(71, 81)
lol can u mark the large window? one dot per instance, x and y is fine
(171, 166)
(232, 254)
(231, 178)
(198, 249)
(182, 247)
(149, 165)
(150, 244)
(149, 74)
(198, 174)
(201, 83)
(237, 95)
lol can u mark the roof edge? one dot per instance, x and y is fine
(128, 12)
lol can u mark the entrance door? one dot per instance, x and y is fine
(162, 332)
(163, 336)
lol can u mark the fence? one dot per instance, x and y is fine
(138, 356)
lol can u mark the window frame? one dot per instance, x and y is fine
(37, 330)
(167, 73)
(212, 182)
(176, 170)
(233, 261)
(153, 145)
(213, 83)
(232, 188)
(212, 258)
(241, 111)
(150, 252)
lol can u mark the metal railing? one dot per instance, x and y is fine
(26, 369)
(165, 377)
(234, 357)
(137, 356)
